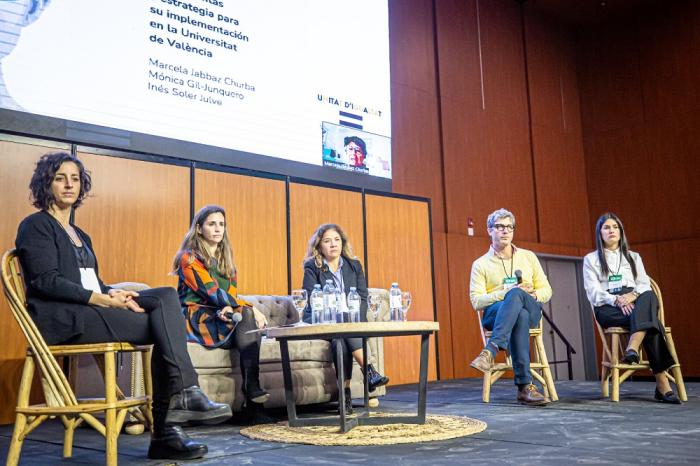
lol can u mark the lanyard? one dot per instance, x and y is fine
(511, 265)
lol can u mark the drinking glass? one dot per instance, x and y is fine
(299, 298)
(373, 302)
(405, 304)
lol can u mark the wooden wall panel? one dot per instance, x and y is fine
(442, 305)
(311, 206)
(679, 263)
(416, 145)
(560, 174)
(667, 47)
(256, 210)
(412, 45)
(487, 166)
(17, 161)
(137, 215)
(466, 336)
(398, 250)
(486, 142)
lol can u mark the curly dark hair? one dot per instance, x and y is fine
(46, 168)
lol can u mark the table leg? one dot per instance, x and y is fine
(288, 383)
(340, 367)
(423, 381)
(365, 358)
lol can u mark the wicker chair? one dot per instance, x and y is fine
(60, 400)
(539, 366)
(615, 372)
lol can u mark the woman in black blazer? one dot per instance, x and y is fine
(71, 305)
(330, 257)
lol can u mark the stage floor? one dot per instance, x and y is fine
(579, 429)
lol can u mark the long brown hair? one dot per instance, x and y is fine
(314, 250)
(194, 243)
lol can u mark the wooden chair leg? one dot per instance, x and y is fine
(676, 370)
(546, 371)
(486, 388)
(614, 369)
(25, 388)
(69, 426)
(148, 386)
(111, 429)
(604, 379)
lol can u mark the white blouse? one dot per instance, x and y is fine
(596, 284)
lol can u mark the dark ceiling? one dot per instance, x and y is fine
(585, 12)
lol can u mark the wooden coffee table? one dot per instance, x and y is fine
(362, 330)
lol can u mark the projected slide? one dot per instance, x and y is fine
(304, 80)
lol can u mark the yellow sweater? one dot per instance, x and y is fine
(488, 272)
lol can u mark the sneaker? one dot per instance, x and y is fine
(531, 397)
(484, 361)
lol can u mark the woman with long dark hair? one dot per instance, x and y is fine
(620, 292)
(214, 314)
(71, 305)
(330, 257)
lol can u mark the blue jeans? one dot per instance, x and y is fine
(510, 321)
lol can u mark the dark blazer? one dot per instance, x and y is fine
(56, 299)
(352, 276)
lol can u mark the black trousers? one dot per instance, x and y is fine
(248, 345)
(645, 316)
(162, 325)
(350, 345)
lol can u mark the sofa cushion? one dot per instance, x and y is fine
(279, 310)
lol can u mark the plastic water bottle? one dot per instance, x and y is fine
(395, 302)
(354, 301)
(316, 304)
(330, 303)
(342, 309)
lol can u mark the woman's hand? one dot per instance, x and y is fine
(260, 319)
(626, 303)
(116, 298)
(225, 314)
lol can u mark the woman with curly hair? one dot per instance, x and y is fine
(71, 305)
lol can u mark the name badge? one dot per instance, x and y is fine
(509, 282)
(88, 278)
(615, 283)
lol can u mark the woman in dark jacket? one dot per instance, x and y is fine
(330, 257)
(71, 305)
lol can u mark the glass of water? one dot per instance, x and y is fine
(405, 304)
(299, 298)
(374, 302)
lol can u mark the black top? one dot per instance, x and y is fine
(352, 276)
(56, 299)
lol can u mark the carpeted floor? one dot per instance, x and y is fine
(580, 429)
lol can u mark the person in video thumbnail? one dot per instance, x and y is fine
(15, 15)
(355, 151)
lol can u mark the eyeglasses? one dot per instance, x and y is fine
(501, 227)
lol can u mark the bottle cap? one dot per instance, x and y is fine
(352, 288)
(395, 284)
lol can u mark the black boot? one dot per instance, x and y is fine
(171, 442)
(348, 401)
(253, 391)
(374, 378)
(191, 406)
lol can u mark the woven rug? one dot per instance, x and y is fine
(436, 427)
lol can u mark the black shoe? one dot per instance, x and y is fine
(191, 406)
(172, 443)
(631, 357)
(668, 397)
(348, 401)
(255, 414)
(374, 378)
(256, 394)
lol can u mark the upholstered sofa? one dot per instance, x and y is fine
(312, 365)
